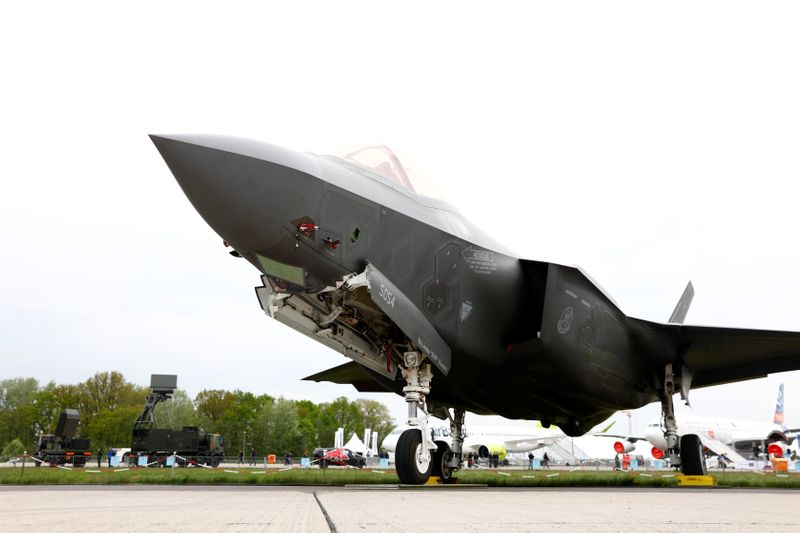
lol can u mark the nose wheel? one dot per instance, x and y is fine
(414, 462)
(415, 447)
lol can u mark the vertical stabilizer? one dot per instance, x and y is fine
(679, 314)
(778, 418)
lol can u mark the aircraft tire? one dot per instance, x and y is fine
(410, 470)
(440, 457)
(692, 461)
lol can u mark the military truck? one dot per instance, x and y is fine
(63, 447)
(190, 444)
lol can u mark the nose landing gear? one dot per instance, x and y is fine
(415, 447)
(417, 456)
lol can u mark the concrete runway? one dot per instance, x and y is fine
(236, 508)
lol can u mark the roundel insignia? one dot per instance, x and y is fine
(565, 322)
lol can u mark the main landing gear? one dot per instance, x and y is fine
(685, 452)
(417, 456)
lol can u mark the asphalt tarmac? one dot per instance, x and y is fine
(325, 509)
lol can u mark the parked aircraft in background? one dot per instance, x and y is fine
(738, 440)
(427, 306)
(485, 441)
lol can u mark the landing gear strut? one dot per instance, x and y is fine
(685, 452)
(447, 460)
(415, 447)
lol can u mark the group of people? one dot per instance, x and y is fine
(545, 461)
(252, 457)
(109, 455)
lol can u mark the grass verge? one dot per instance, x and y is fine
(334, 477)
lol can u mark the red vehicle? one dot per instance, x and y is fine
(340, 457)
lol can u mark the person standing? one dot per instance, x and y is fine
(530, 460)
(110, 455)
(99, 457)
(241, 457)
(546, 461)
(253, 456)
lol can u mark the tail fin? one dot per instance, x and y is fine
(778, 418)
(679, 314)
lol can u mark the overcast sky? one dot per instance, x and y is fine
(649, 143)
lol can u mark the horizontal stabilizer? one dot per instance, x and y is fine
(349, 374)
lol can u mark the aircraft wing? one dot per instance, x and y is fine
(540, 441)
(349, 374)
(724, 355)
(720, 448)
(629, 438)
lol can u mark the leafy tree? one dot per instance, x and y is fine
(108, 405)
(276, 429)
(376, 416)
(17, 409)
(308, 419)
(48, 407)
(112, 428)
(232, 414)
(176, 412)
(341, 413)
(108, 390)
(14, 448)
(212, 404)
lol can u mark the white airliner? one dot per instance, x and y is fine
(486, 441)
(736, 439)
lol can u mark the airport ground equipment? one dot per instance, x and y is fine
(64, 446)
(354, 254)
(190, 444)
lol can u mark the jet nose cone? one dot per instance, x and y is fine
(238, 195)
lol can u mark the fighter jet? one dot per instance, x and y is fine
(425, 305)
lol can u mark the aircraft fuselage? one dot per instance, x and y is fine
(528, 339)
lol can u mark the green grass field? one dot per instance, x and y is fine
(332, 476)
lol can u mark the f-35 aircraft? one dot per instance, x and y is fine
(428, 307)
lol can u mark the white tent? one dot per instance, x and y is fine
(355, 444)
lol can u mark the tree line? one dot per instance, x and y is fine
(109, 405)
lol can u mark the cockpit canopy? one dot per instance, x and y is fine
(383, 162)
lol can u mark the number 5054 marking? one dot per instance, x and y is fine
(387, 296)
